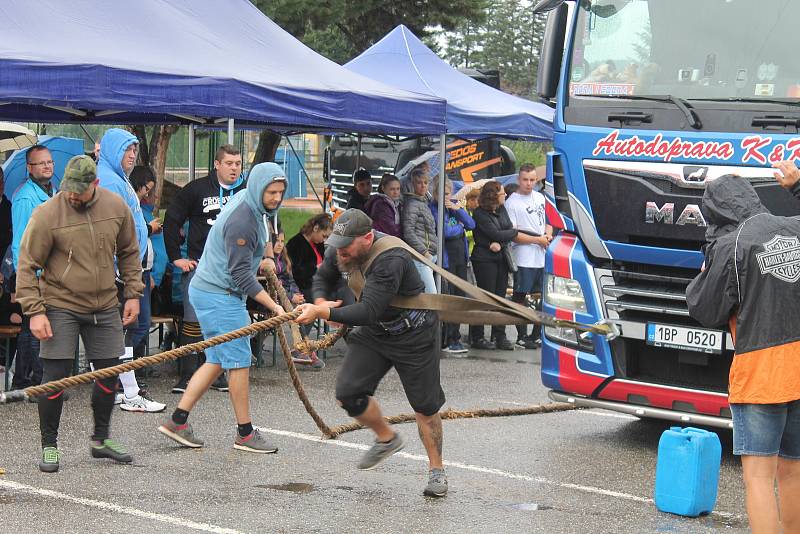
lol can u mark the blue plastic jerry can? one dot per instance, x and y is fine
(687, 472)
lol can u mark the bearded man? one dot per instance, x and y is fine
(385, 337)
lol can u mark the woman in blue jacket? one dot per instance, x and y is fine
(456, 254)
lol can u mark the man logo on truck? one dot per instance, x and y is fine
(666, 214)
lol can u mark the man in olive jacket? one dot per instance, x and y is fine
(65, 284)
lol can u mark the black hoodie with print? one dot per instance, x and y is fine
(199, 202)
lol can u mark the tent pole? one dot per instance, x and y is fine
(440, 221)
(358, 156)
(192, 162)
(230, 131)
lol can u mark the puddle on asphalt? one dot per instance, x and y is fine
(531, 507)
(294, 487)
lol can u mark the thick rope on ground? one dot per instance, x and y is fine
(302, 344)
(450, 414)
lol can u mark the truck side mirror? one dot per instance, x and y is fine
(552, 53)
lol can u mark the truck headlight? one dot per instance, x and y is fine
(564, 293)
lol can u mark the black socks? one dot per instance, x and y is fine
(179, 417)
(245, 429)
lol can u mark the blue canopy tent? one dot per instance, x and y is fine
(474, 109)
(167, 61)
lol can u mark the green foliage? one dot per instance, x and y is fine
(525, 152)
(342, 29)
(508, 39)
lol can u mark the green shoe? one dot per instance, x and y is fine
(109, 448)
(49, 463)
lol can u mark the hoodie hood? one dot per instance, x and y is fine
(258, 180)
(727, 202)
(112, 146)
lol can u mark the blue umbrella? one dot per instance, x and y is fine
(62, 148)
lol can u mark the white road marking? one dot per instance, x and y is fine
(110, 507)
(481, 469)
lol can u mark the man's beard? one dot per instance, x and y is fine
(354, 262)
(78, 205)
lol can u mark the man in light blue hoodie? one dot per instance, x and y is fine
(119, 150)
(225, 277)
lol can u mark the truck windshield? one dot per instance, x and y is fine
(706, 49)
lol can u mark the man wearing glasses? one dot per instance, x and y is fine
(36, 190)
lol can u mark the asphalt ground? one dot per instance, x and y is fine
(579, 471)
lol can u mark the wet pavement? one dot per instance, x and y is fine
(579, 471)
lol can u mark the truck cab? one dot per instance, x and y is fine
(654, 99)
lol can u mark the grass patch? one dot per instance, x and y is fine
(293, 219)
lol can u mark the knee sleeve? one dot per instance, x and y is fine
(355, 405)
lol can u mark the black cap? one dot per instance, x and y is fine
(351, 224)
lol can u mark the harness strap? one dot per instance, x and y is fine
(479, 308)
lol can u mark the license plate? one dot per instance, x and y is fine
(682, 337)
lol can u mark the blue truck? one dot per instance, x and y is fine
(654, 99)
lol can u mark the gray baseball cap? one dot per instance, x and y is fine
(351, 224)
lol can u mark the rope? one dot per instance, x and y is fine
(302, 344)
(470, 414)
(108, 372)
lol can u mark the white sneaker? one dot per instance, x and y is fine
(140, 403)
(119, 398)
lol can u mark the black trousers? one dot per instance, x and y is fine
(493, 277)
(51, 404)
(452, 331)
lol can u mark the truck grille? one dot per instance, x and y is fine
(639, 296)
(644, 293)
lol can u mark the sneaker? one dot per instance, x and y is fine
(49, 462)
(183, 434)
(109, 448)
(504, 344)
(180, 387)
(379, 452)
(306, 361)
(437, 483)
(456, 348)
(253, 442)
(141, 403)
(221, 383)
(532, 343)
(482, 344)
(119, 398)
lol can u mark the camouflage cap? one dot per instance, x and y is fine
(80, 173)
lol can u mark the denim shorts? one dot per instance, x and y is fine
(528, 279)
(220, 313)
(767, 429)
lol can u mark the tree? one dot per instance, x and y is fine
(342, 29)
(508, 40)
(153, 150)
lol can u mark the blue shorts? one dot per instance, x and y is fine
(528, 279)
(217, 314)
(767, 429)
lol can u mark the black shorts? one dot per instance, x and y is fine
(370, 355)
